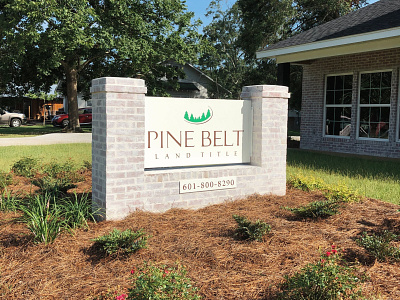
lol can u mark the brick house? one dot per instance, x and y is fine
(350, 85)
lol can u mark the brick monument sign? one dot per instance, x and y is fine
(154, 154)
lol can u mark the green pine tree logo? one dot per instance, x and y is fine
(205, 117)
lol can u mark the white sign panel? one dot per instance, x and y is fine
(196, 132)
(206, 184)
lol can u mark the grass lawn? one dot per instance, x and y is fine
(45, 153)
(32, 130)
(377, 178)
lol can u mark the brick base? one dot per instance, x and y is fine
(122, 185)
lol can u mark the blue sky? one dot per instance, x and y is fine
(199, 7)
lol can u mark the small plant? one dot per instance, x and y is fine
(87, 165)
(328, 279)
(53, 169)
(127, 241)
(249, 230)
(26, 166)
(53, 185)
(379, 245)
(340, 193)
(161, 283)
(56, 178)
(43, 220)
(77, 211)
(8, 201)
(306, 183)
(316, 209)
(5, 180)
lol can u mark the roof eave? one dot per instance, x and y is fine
(377, 40)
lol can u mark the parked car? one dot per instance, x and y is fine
(12, 119)
(85, 118)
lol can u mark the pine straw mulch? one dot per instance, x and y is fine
(203, 241)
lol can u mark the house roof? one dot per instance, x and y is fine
(377, 21)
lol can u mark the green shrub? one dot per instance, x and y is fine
(316, 209)
(250, 230)
(9, 201)
(379, 245)
(26, 166)
(53, 169)
(328, 279)
(87, 165)
(56, 178)
(306, 183)
(339, 192)
(77, 211)
(161, 283)
(53, 185)
(5, 180)
(43, 219)
(127, 241)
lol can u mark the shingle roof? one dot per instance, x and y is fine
(384, 14)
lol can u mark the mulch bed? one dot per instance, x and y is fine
(220, 266)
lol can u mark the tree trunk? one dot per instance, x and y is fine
(72, 97)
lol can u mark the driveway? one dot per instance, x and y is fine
(48, 139)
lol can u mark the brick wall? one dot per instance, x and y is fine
(312, 113)
(120, 182)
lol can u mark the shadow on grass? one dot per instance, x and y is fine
(33, 130)
(345, 164)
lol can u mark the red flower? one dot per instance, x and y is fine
(322, 261)
(133, 271)
(328, 253)
(334, 251)
(333, 246)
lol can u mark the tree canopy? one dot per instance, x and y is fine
(48, 40)
(235, 34)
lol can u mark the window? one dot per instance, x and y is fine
(374, 104)
(338, 94)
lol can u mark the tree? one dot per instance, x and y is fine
(265, 22)
(222, 59)
(223, 56)
(311, 13)
(48, 40)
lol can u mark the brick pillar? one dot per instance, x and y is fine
(117, 144)
(270, 112)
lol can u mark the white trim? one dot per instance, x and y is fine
(342, 41)
(359, 105)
